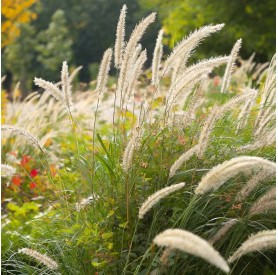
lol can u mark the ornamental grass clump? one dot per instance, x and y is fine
(118, 184)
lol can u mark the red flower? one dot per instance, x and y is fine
(25, 160)
(34, 173)
(32, 185)
(16, 180)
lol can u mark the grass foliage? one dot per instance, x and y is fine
(83, 211)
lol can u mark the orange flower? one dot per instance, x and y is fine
(25, 159)
(16, 180)
(32, 185)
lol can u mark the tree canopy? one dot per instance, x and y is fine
(253, 21)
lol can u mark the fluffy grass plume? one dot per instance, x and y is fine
(66, 87)
(189, 43)
(120, 38)
(182, 159)
(51, 88)
(64, 95)
(216, 113)
(246, 109)
(157, 196)
(41, 258)
(265, 139)
(132, 145)
(228, 169)
(157, 55)
(85, 202)
(191, 76)
(252, 183)
(222, 231)
(137, 70)
(103, 71)
(261, 241)
(130, 48)
(192, 244)
(264, 203)
(25, 134)
(230, 65)
(7, 170)
(268, 94)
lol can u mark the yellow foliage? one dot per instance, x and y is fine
(14, 12)
(4, 101)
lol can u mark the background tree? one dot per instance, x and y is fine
(92, 27)
(253, 21)
(14, 13)
(20, 60)
(54, 46)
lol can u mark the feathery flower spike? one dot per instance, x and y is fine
(189, 43)
(157, 196)
(41, 258)
(252, 183)
(192, 244)
(51, 88)
(182, 159)
(228, 169)
(66, 87)
(158, 51)
(265, 202)
(21, 132)
(7, 170)
(230, 65)
(129, 50)
(103, 71)
(222, 231)
(120, 38)
(263, 240)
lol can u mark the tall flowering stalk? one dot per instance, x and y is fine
(158, 51)
(120, 38)
(63, 95)
(230, 65)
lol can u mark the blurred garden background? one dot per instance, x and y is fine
(38, 35)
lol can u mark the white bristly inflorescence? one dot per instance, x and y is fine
(157, 55)
(261, 241)
(21, 132)
(264, 203)
(192, 244)
(182, 159)
(228, 169)
(120, 38)
(103, 71)
(157, 196)
(41, 258)
(224, 229)
(7, 170)
(230, 65)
